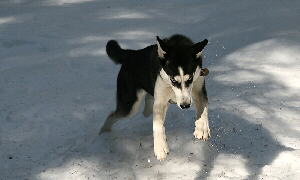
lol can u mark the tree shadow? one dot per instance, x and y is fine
(251, 143)
(80, 91)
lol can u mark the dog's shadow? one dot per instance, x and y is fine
(234, 135)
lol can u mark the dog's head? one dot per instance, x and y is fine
(181, 62)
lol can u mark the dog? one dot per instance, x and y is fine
(169, 71)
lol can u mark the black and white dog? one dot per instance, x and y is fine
(167, 72)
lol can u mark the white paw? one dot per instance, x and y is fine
(161, 149)
(202, 130)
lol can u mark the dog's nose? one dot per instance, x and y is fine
(185, 106)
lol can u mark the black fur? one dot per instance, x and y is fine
(140, 68)
(115, 52)
(181, 51)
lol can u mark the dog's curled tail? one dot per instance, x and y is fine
(115, 52)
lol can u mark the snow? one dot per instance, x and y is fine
(57, 87)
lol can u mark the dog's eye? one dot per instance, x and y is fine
(172, 80)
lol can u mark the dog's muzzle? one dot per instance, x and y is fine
(185, 105)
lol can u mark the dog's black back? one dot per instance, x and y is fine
(141, 67)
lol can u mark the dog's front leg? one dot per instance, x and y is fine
(202, 130)
(160, 144)
(161, 97)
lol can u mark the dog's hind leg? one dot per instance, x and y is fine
(124, 109)
(202, 130)
(148, 109)
(140, 94)
(110, 120)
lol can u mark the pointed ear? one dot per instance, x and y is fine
(161, 48)
(198, 47)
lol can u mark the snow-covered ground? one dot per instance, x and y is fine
(57, 87)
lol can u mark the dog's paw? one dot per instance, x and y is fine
(202, 134)
(202, 130)
(161, 150)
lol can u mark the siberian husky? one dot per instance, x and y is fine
(166, 72)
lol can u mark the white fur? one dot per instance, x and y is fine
(163, 92)
(161, 97)
(183, 94)
(165, 76)
(197, 74)
(178, 79)
(202, 130)
(160, 51)
(135, 108)
(198, 54)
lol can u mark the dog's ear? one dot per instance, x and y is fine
(161, 47)
(198, 47)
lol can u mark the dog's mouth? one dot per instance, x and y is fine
(172, 102)
(181, 106)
